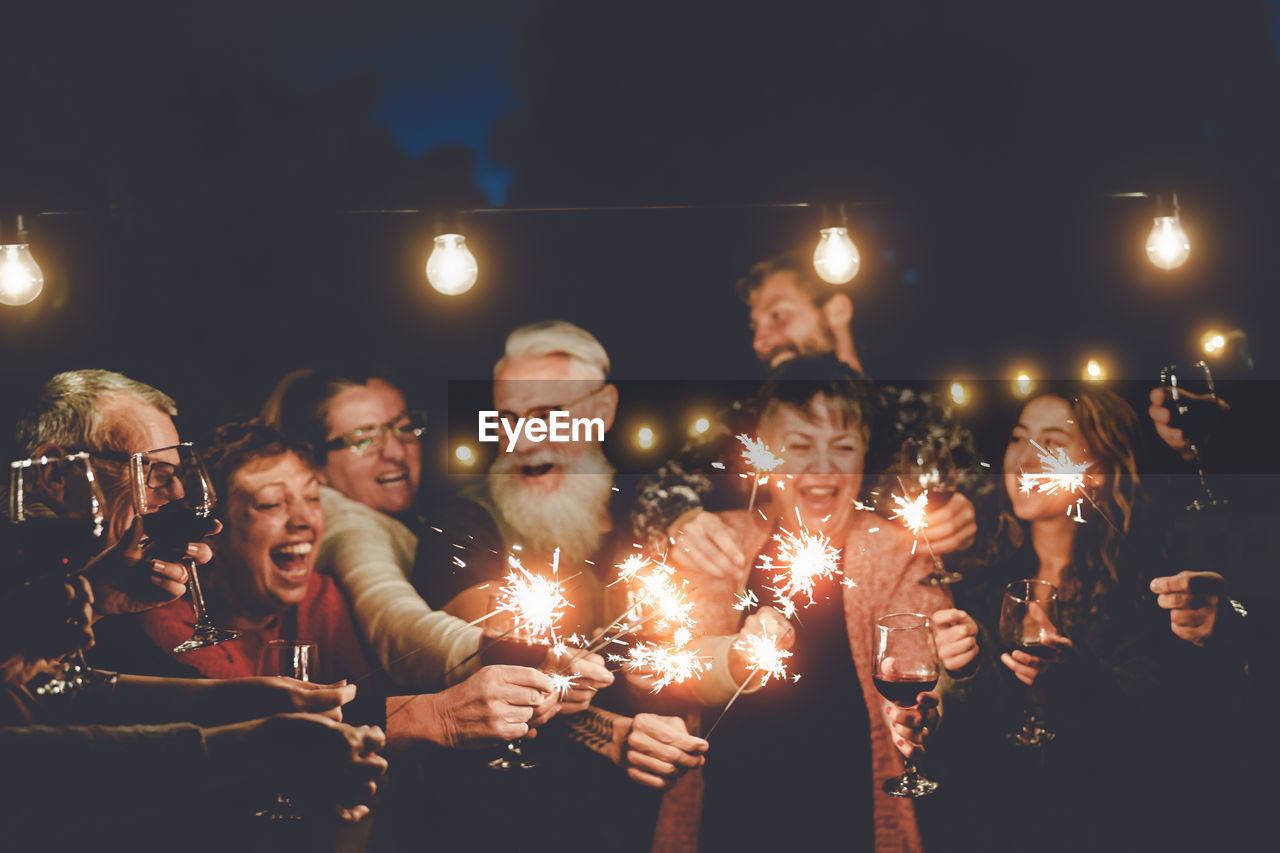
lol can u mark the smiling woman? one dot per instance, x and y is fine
(262, 580)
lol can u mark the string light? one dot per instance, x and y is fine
(959, 393)
(644, 438)
(1093, 371)
(700, 426)
(21, 278)
(465, 455)
(836, 260)
(1167, 244)
(452, 269)
(1022, 385)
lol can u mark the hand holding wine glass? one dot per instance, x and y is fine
(1191, 412)
(513, 643)
(905, 673)
(293, 659)
(1028, 619)
(926, 466)
(174, 496)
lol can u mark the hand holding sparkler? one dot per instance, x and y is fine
(762, 462)
(700, 541)
(657, 750)
(761, 646)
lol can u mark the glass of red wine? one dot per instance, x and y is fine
(926, 465)
(1028, 615)
(57, 524)
(295, 659)
(512, 644)
(906, 665)
(1193, 406)
(175, 498)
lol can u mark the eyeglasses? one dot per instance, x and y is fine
(404, 428)
(160, 475)
(542, 413)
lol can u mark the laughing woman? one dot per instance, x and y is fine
(262, 583)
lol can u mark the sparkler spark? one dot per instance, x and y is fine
(745, 600)
(802, 561)
(535, 603)
(912, 513)
(758, 456)
(764, 657)
(669, 664)
(1057, 473)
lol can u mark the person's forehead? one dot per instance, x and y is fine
(822, 418)
(545, 380)
(1049, 413)
(777, 287)
(134, 425)
(284, 469)
(362, 405)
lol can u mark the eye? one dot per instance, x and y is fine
(265, 507)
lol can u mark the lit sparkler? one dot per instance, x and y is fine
(1058, 473)
(765, 658)
(761, 460)
(802, 561)
(535, 603)
(668, 664)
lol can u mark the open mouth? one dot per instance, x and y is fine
(782, 355)
(533, 472)
(819, 500)
(293, 561)
(392, 478)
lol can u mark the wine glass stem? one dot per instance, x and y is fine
(197, 595)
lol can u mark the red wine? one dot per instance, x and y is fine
(903, 691)
(1036, 649)
(515, 653)
(1195, 417)
(173, 525)
(40, 545)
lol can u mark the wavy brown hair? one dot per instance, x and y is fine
(1110, 428)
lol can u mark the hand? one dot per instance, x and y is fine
(1027, 668)
(952, 526)
(313, 759)
(41, 622)
(589, 675)
(702, 542)
(767, 622)
(910, 727)
(1161, 417)
(1192, 599)
(494, 705)
(248, 698)
(658, 750)
(956, 636)
(126, 580)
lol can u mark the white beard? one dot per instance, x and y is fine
(569, 518)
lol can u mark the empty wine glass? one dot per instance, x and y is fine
(56, 508)
(926, 465)
(175, 499)
(1193, 407)
(905, 665)
(295, 659)
(1028, 616)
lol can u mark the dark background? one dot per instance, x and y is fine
(209, 158)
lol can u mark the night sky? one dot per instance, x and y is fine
(212, 161)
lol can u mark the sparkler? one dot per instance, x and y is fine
(912, 515)
(535, 603)
(761, 460)
(765, 658)
(1058, 473)
(669, 664)
(802, 561)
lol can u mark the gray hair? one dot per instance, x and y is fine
(556, 337)
(68, 412)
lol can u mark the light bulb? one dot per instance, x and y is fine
(959, 393)
(644, 438)
(836, 259)
(700, 426)
(1022, 385)
(1093, 371)
(451, 269)
(465, 455)
(1167, 245)
(1213, 342)
(20, 277)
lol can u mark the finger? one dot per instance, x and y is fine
(651, 764)
(200, 552)
(1171, 584)
(957, 648)
(1029, 660)
(723, 540)
(1025, 674)
(648, 779)
(640, 742)
(950, 617)
(353, 815)
(523, 676)
(708, 557)
(1188, 618)
(1179, 601)
(372, 739)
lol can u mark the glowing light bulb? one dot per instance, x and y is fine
(1213, 343)
(1167, 245)
(1022, 385)
(700, 426)
(836, 260)
(959, 393)
(451, 269)
(21, 279)
(465, 455)
(1093, 371)
(644, 438)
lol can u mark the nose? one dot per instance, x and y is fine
(765, 338)
(302, 515)
(391, 447)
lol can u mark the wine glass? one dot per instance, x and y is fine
(174, 496)
(1028, 615)
(56, 508)
(905, 665)
(295, 659)
(1193, 407)
(515, 644)
(926, 465)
